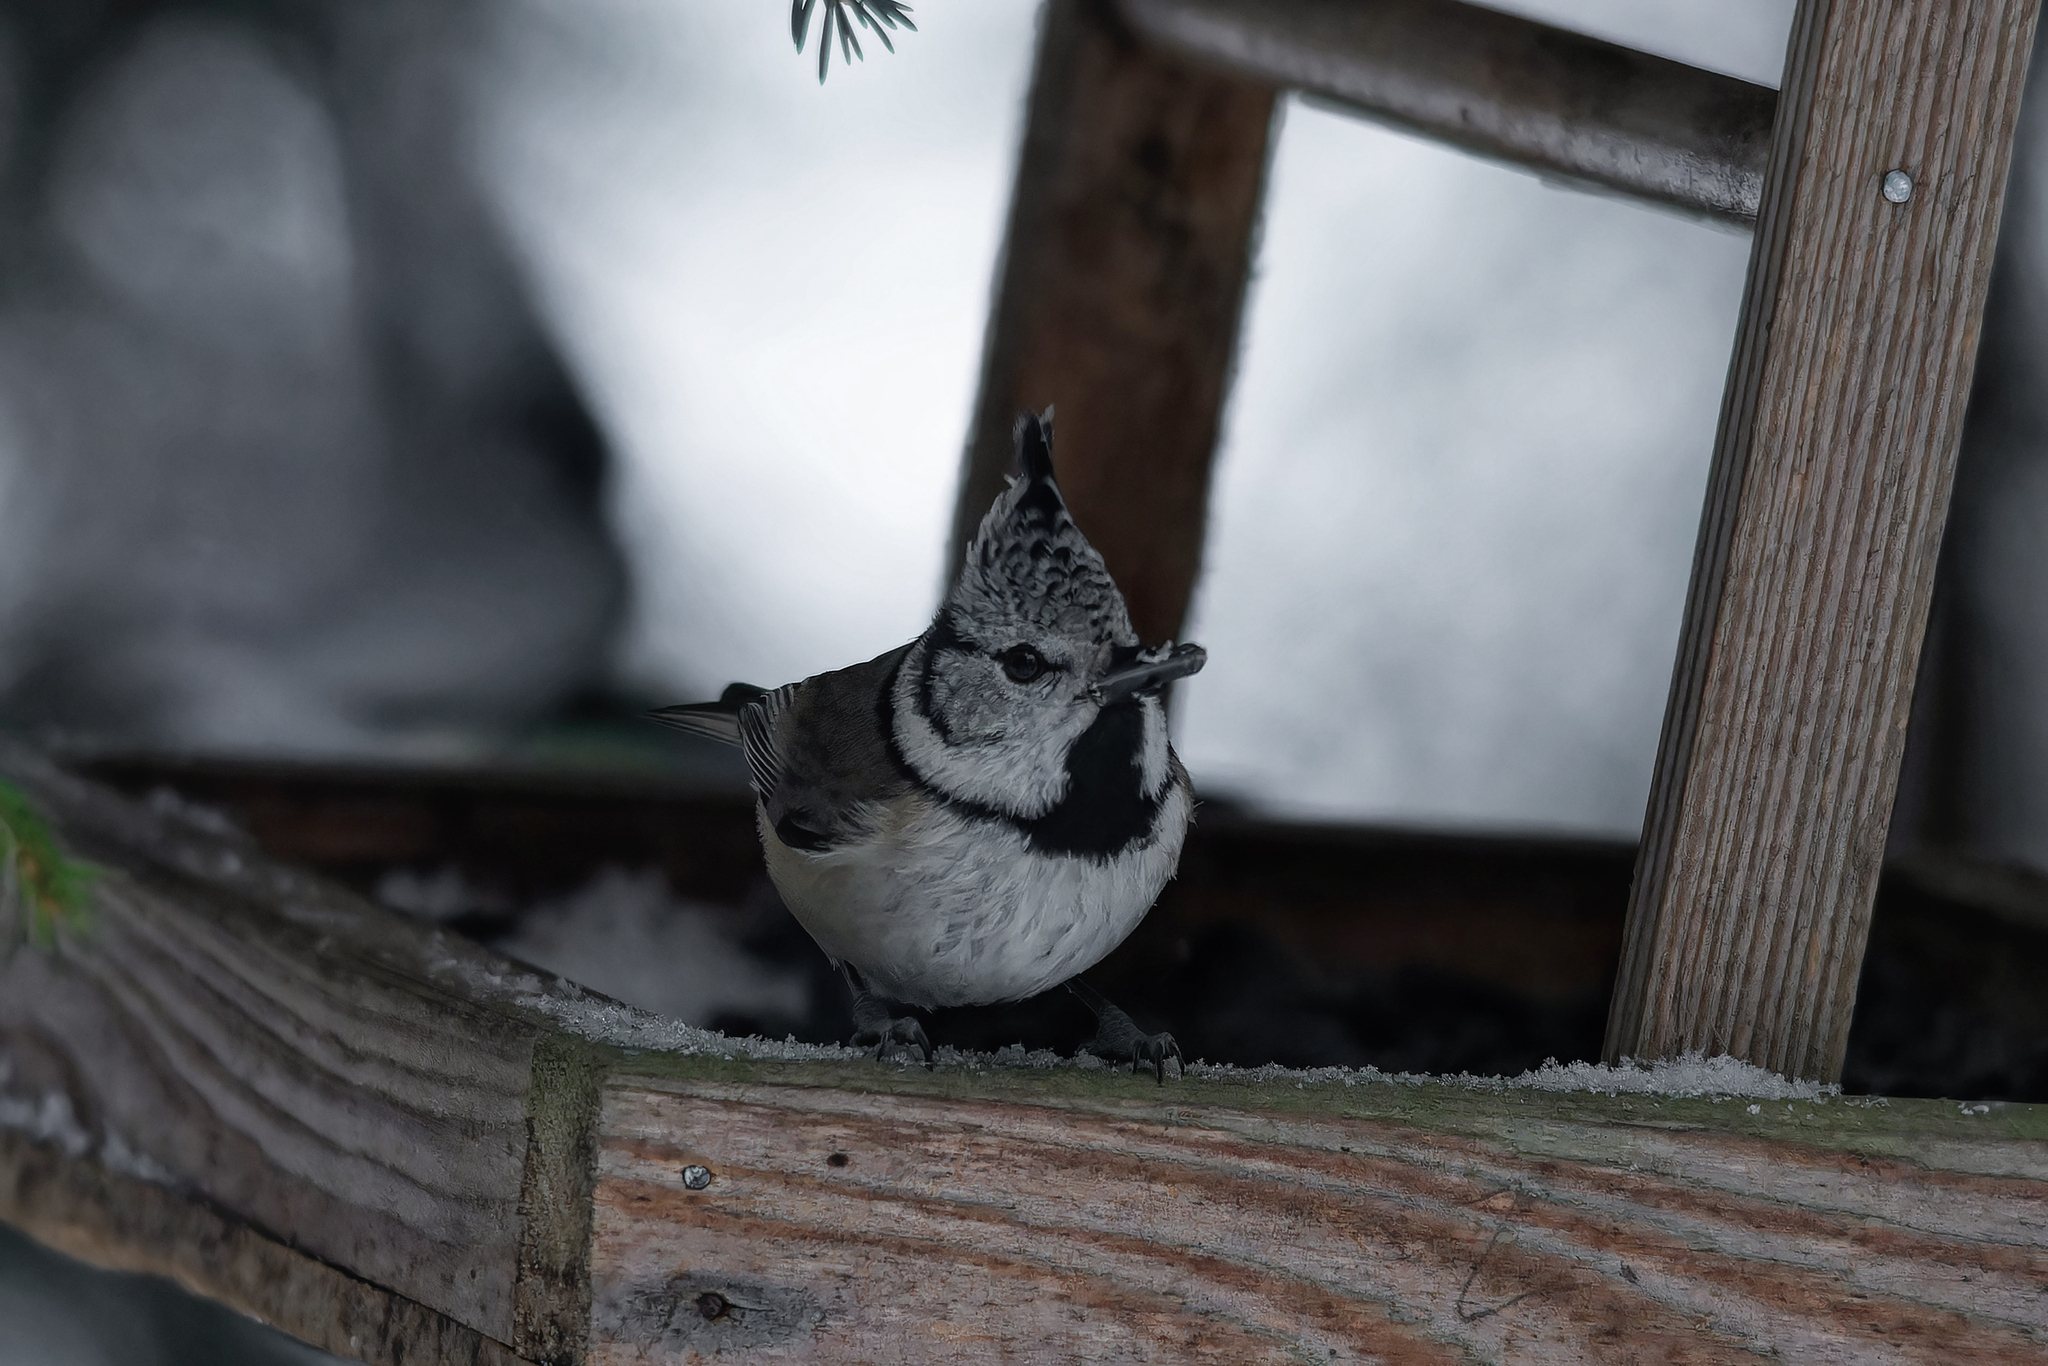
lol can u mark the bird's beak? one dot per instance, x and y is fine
(1148, 673)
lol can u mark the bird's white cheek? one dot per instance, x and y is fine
(1010, 774)
(970, 716)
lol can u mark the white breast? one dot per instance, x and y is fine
(941, 909)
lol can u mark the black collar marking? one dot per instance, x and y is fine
(1105, 811)
(945, 636)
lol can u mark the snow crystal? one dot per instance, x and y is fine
(613, 1022)
(49, 1119)
(1690, 1075)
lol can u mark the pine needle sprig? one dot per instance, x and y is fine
(41, 890)
(878, 16)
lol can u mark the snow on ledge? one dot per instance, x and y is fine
(1690, 1076)
(604, 1020)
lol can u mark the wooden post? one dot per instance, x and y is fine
(1824, 514)
(1118, 297)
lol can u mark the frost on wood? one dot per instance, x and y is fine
(1690, 1075)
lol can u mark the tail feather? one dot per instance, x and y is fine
(707, 719)
(718, 720)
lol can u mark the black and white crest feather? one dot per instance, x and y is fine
(1030, 566)
(1032, 436)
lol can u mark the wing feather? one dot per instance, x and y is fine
(757, 738)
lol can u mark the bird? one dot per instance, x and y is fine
(984, 813)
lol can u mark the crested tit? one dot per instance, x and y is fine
(984, 813)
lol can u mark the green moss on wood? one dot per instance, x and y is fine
(42, 890)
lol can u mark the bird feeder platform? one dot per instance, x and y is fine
(386, 1141)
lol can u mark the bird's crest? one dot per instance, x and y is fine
(1029, 562)
(1032, 435)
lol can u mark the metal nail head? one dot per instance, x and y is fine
(696, 1178)
(1898, 186)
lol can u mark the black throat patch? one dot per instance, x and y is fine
(1105, 811)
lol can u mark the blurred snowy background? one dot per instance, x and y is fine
(275, 477)
(1461, 471)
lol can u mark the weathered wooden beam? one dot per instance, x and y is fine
(230, 1028)
(1825, 506)
(295, 1102)
(1500, 86)
(962, 1217)
(71, 1201)
(1118, 297)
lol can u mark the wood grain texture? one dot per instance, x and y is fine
(1500, 86)
(1825, 507)
(1118, 298)
(76, 1205)
(295, 1058)
(1379, 1222)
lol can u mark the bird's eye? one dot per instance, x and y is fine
(1021, 663)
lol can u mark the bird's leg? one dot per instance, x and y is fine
(874, 1024)
(1118, 1038)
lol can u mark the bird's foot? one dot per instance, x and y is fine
(1118, 1038)
(876, 1026)
(888, 1032)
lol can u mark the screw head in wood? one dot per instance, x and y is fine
(1898, 186)
(696, 1178)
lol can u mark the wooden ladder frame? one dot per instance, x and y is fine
(1120, 294)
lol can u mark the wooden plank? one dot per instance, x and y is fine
(964, 1218)
(1118, 298)
(122, 1223)
(1829, 488)
(290, 1055)
(1500, 86)
(225, 1077)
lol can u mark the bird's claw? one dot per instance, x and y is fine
(1156, 1049)
(1117, 1036)
(876, 1025)
(882, 1035)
